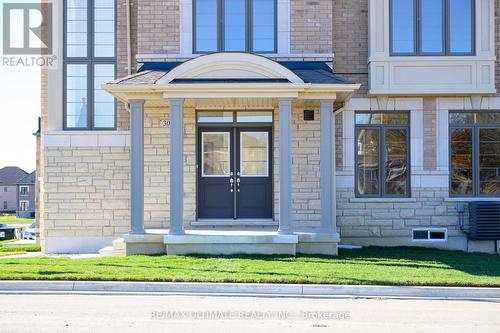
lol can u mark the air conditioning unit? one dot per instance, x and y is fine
(484, 220)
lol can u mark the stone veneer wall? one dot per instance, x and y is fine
(390, 223)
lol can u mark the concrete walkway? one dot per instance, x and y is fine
(247, 289)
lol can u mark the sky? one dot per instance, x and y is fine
(19, 111)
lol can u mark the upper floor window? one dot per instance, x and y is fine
(382, 157)
(234, 25)
(23, 190)
(474, 153)
(432, 27)
(89, 62)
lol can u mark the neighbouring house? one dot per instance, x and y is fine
(26, 196)
(9, 177)
(269, 126)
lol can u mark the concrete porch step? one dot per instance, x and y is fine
(117, 249)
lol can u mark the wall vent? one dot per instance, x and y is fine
(430, 234)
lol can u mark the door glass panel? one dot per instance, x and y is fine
(368, 169)
(461, 161)
(215, 154)
(254, 117)
(489, 161)
(396, 152)
(254, 157)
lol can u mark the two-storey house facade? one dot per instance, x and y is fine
(268, 126)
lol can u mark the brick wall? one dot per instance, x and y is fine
(158, 26)
(350, 41)
(311, 26)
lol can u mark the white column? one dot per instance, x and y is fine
(285, 158)
(176, 166)
(327, 167)
(137, 166)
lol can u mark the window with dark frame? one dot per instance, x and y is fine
(432, 27)
(234, 25)
(89, 62)
(474, 153)
(382, 154)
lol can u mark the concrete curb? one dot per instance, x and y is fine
(256, 289)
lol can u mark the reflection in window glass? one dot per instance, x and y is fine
(215, 117)
(76, 28)
(254, 117)
(368, 169)
(235, 25)
(489, 161)
(403, 26)
(104, 103)
(431, 26)
(396, 161)
(206, 28)
(263, 25)
(76, 96)
(215, 154)
(460, 25)
(373, 118)
(104, 28)
(254, 154)
(461, 161)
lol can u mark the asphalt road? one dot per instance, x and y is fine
(137, 313)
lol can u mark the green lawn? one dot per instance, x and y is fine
(17, 249)
(383, 266)
(12, 219)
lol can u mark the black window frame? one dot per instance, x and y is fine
(417, 32)
(248, 28)
(475, 127)
(382, 154)
(90, 60)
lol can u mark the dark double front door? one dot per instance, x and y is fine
(234, 173)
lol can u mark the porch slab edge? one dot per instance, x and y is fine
(298, 290)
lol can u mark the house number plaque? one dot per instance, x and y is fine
(164, 122)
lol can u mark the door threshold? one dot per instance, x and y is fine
(235, 222)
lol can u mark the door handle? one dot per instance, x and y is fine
(231, 181)
(238, 183)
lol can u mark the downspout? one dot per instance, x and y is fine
(129, 41)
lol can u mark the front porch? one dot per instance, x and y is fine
(238, 83)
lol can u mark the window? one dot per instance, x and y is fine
(255, 117)
(6, 189)
(382, 156)
(430, 234)
(89, 62)
(24, 205)
(23, 190)
(234, 25)
(474, 153)
(432, 27)
(5, 205)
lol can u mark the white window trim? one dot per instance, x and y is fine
(27, 205)
(21, 189)
(241, 155)
(186, 27)
(416, 75)
(203, 155)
